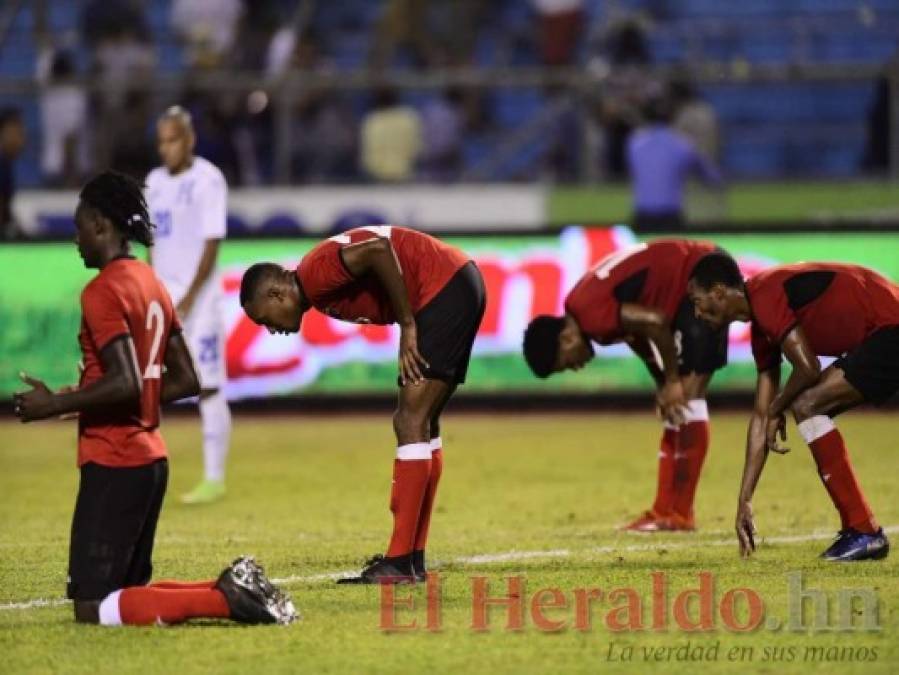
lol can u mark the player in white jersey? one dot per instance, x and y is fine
(187, 197)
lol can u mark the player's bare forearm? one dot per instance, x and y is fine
(377, 257)
(203, 274)
(179, 379)
(652, 326)
(806, 371)
(756, 455)
(120, 383)
(756, 436)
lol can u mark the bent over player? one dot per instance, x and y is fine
(134, 357)
(385, 275)
(638, 295)
(805, 311)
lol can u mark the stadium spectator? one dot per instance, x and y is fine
(559, 25)
(64, 118)
(443, 126)
(208, 28)
(391, 138)
(404, 24)
(104, 20)
(694, 117)
(12, 140)
(660, 160)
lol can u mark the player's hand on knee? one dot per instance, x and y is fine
(411, 362)
(672, 402)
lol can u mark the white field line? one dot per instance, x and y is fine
(509, 556)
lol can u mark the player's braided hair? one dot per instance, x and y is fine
(541, 343)
(717, 268)
(121, 199)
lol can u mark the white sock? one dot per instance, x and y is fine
(815, 427)
(109, 610)
(216, 417)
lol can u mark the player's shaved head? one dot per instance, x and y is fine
(271, 297)
(716, 290)
(176, 139)
(256, 279)
(716, 268)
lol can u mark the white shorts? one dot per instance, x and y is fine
(204, 334)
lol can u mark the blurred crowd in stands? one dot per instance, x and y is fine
(340, 136)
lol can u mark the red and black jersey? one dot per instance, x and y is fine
(125, 299)
(837, 306)
(426, 263)
(654, 275)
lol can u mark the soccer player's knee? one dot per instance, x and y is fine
(408, 423)
(804, 407)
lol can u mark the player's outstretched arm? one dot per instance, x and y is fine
(652, 325)
(376, 256)
(756, 454)
(119, 383)
(179, 380)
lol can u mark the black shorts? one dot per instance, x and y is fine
(448, 325)
(113, 528)
(700, 348)
(873, 366)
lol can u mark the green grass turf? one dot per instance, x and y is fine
(309, 496)
(783, 201)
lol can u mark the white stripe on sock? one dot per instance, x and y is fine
(436, 444)
(815, 427)
(412, 451)
(109, 610)
(697, 411)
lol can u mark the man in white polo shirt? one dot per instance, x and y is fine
(187, 197)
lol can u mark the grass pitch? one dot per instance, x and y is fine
(536, 497)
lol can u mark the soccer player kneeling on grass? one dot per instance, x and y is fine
(639, 296)
(134, 359)
(385, 275)
(805, 311)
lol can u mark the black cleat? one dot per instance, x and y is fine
(418, 566)
(251, 597)
(383, 570)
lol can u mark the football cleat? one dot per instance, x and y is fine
(852, 545)
(382, 570)
(648, 521)
(206, 492)
(251, 597)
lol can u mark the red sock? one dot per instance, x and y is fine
(427, 504)
(664, 502)
(410, 481)
(170, 584)
(692, 446)
(839, 479)
(145, 606)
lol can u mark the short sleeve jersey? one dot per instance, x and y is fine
(125, 299)
(426, 263)
(652, 274)
(188, 209)
(837, 306)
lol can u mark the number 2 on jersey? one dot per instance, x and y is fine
(156, 323)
